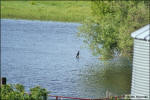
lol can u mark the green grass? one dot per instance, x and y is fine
(68, 11)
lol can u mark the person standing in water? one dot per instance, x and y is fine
(77, 56)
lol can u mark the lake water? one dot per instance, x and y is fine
(43, 53)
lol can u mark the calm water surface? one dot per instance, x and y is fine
(43, 53)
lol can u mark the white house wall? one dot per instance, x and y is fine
(141, 69)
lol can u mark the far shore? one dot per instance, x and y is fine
(69, 11)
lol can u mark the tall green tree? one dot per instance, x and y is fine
(108, 31)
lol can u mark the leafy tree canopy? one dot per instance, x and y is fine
(108, 31)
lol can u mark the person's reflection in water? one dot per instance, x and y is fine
(78, 53)
(77, 56)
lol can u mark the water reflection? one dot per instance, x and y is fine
(111, 76)
(44, 53)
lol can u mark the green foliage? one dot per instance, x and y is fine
(17, 92)
(37, 93)
(108, 30)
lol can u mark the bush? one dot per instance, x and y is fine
(109, 28)
(17, 92)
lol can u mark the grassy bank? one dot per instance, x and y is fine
(70, 11)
